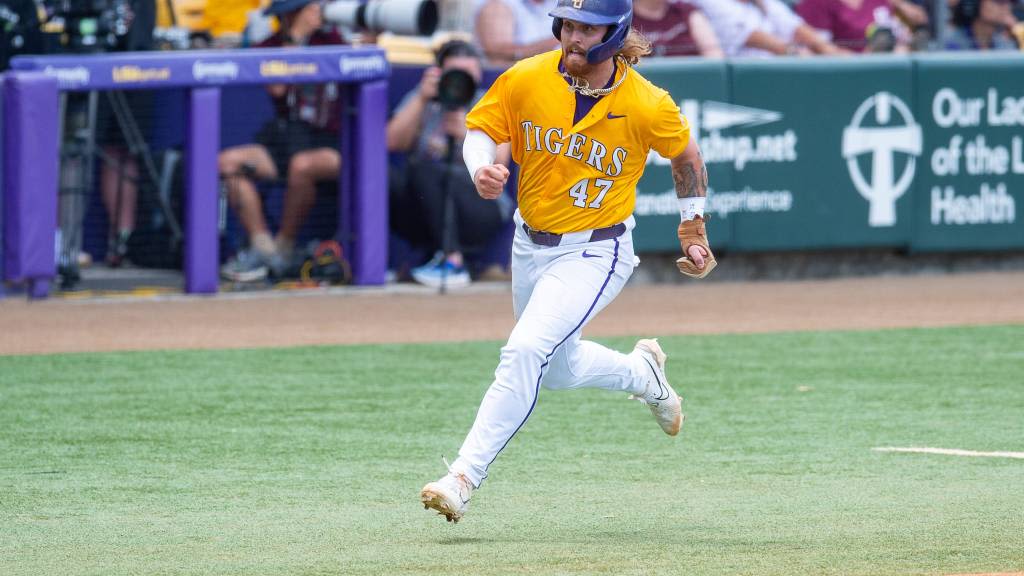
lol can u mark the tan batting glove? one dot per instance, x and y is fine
(692, 233)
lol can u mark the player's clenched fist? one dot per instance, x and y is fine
(490, 180)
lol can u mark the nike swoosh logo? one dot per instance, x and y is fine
(614, 116)
(588, 255)
(662, 391)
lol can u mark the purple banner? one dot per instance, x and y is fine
(30, 177)
(154, 70)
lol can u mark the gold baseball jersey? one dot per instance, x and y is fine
(582, 176)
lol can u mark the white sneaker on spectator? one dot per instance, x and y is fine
(247, 266)
(440, 271)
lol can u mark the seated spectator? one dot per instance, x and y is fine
(299, 144)
(865, 25)
(762, 28)
(510, 30)
(225, 20)
(982, 25)
(429, 133)
(675, 28)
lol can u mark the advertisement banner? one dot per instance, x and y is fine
(155, 70)
(972, 113)
(831, 160)
(700, 88)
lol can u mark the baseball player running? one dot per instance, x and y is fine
(580, 122)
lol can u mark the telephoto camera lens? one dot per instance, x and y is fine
(405, 17)
(455, 89)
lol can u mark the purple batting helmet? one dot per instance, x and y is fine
(616, 14)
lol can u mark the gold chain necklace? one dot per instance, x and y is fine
(582, 86)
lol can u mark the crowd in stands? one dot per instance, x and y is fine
(509, 30)
(297, 148)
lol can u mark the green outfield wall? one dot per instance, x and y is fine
(921, 153)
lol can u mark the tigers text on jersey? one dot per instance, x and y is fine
(582, 176)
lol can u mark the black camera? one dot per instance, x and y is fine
(455, 89)
(89, 26)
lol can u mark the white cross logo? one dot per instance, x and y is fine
(883, 142)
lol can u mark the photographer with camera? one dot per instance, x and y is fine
(430, 125)
(299, 144)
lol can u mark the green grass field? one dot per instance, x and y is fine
(310, 460)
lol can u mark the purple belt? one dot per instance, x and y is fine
(549, 239)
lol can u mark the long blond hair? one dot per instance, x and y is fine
(635, 46)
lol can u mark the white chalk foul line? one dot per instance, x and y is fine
(951, 452)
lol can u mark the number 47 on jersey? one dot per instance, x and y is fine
(580, 191)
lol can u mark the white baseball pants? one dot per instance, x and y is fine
(556, 291)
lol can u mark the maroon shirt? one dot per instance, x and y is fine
(670, 36)
(849, 26)
(315, 104)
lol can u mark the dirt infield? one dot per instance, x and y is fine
(411, 315)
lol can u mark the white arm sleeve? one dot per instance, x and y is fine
(478, 151)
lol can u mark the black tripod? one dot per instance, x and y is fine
(78, 152)
(448, 228)
(455, 91)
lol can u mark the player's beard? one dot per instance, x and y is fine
(574, 59)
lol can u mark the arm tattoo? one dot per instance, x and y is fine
(691, 179)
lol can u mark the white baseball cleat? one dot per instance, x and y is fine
(449, 496)
(665, 404)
